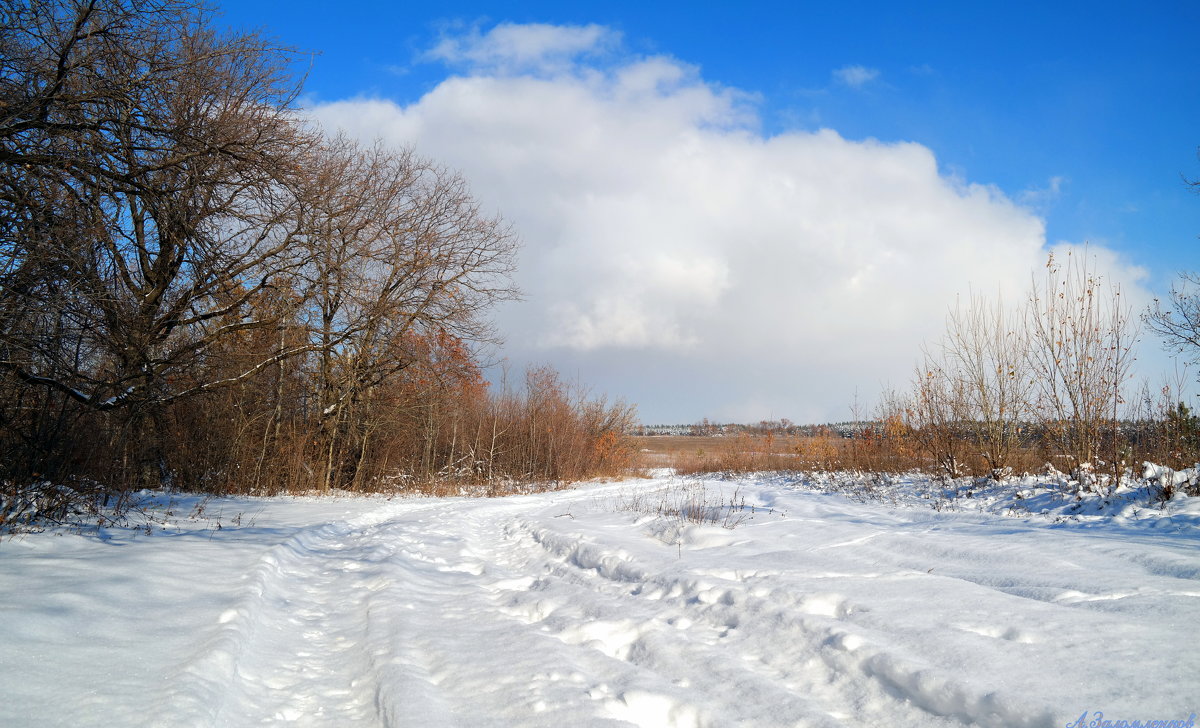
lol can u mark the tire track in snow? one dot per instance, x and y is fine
(300, 646)
(807, 642)
(480, 613)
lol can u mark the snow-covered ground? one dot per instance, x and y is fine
(588, 607)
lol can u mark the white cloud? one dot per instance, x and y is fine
(856, 76)
(1041, 198)
(512, 48)
(675, 255)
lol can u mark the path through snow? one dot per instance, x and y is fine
(566, 609)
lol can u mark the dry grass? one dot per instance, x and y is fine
(663, 451)
(742, 453)
(829, 452)
(691, 502)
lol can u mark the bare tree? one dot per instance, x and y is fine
(1177, 320)
(170, 228)
(400, 257)
(1080, 352)
(146, 172)
(936, 414)
(985, 349)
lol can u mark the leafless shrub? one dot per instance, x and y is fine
(690, 501)
(1081, 335)
(987, 347)
(936, 415)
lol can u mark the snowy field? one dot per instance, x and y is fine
(589, 608)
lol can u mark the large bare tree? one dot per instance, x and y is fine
(399, 256)
(171, 226)
(147, 173)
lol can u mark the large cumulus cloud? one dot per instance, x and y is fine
(676, 255)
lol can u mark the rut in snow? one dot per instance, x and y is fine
(455, 613)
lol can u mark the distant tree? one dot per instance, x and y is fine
(1183, 433)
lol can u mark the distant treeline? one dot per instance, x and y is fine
(1029, 433)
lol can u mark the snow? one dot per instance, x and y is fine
(625, 603)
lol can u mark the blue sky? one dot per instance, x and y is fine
(1082, 115)
(1104, 97)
